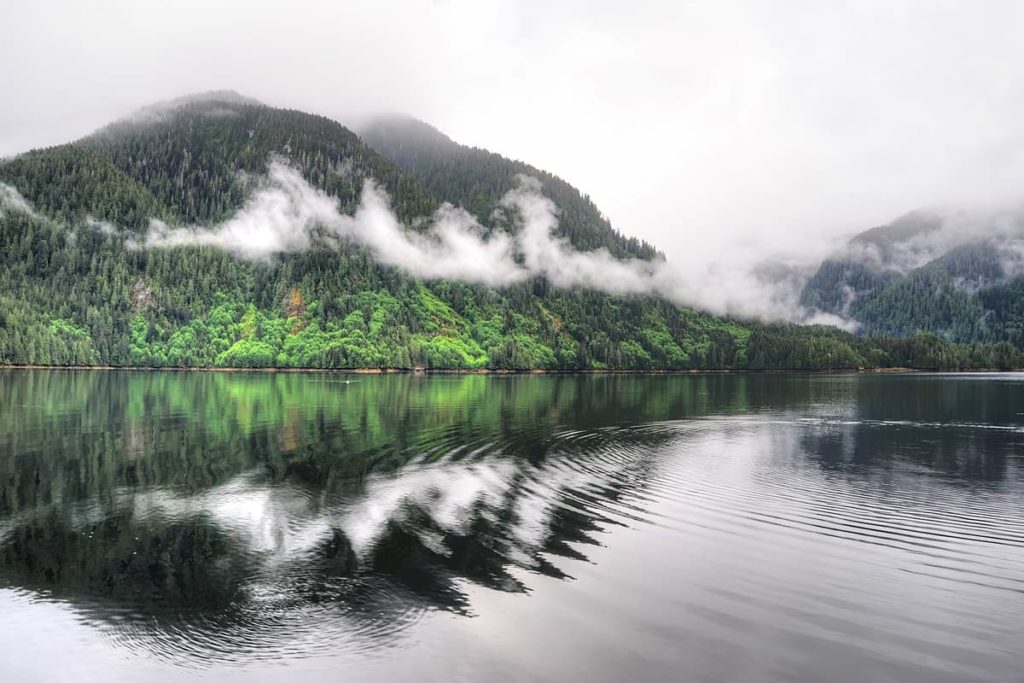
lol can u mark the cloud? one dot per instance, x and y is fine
(160, 111)
(11, 200)
(277, 218)
(285, 214)
(554, 258)
(454, 246)
(920, 237)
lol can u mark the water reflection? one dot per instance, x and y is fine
(233, 517)
(225, 507)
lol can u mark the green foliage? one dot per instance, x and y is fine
(1004, 306)
(74, 292)
(29, 338)
(786, 347)
(925, 301)
(963, 295)
(246, 353)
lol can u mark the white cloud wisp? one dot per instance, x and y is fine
(286, 214)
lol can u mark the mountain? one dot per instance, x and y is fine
(113, 251)
(957, 275)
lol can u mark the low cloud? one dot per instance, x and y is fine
(917, 238)
(11, 200)
(224, 102)
(285, 214)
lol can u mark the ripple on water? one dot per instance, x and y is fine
(776, 534)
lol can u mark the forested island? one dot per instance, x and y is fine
(79, 286)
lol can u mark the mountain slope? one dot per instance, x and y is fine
(954, 276)
(196, 162)
(81, 282)
(476, 179)
(199, 157)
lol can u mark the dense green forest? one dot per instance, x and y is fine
(76, 289)
(969, 292)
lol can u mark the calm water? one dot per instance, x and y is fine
(182, 526)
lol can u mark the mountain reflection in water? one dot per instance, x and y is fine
(207, 519)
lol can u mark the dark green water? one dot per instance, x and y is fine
(189, 526)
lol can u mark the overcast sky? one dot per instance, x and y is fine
(691, 124)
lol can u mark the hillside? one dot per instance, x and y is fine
(956, 276)
(84, 281)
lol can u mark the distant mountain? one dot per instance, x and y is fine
(957, 276)
(82, 281)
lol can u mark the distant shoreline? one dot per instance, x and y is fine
(499, 372)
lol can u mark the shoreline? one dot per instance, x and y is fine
(501, 372)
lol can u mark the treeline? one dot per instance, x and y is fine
(790, 347)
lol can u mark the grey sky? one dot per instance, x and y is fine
(691, 124)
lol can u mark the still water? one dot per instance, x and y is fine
(190, 526)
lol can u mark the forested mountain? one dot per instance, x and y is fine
(956, 276)
(80, 283)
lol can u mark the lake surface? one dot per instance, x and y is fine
(283, 527)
